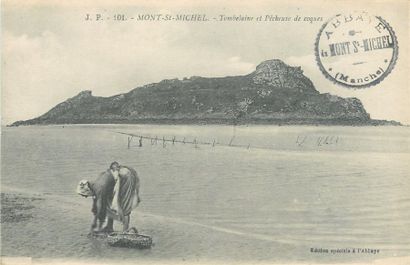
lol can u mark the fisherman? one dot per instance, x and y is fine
(115, 194)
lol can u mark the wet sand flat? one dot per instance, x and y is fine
(217, 204)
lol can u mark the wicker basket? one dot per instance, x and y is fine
(129, 240)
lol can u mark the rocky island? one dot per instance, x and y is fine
(275, 93)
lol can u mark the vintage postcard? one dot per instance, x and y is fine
(205, 132)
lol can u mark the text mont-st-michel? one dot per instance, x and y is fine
(187, 17)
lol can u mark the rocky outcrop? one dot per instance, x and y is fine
(277, 73)
(274, 93)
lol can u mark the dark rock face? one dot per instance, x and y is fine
(277, 73)
(274, 93)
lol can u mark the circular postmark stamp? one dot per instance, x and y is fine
(356, 50)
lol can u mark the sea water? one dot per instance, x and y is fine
(312, 187)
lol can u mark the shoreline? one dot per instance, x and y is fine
(175, 240)
(195, 122)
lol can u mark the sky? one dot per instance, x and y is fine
(51, 53)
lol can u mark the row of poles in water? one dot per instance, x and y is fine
(300, 141)
(155, 140)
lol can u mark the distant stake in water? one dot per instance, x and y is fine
(230, 142)
(129, 141)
